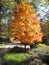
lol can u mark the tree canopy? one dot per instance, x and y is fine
(7, 7)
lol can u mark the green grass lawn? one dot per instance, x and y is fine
(2, 44)
(15, 58)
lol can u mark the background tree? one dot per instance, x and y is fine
(45, 27)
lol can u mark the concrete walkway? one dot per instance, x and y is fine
(14, 45)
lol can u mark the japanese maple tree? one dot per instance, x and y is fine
(25, 27)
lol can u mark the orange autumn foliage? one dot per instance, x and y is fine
(25, 27)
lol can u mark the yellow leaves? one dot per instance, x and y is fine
(25, 26)
(41, 45)
(11, 39)
(31, 34)
(39, 39)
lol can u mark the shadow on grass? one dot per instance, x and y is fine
(12, 62)
(18, 50)
(45, 59)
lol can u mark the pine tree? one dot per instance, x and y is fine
(25, 27)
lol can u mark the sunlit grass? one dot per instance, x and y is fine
(2, 44)
(19, 57)
(15, 58)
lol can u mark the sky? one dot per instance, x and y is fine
(41, 10)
